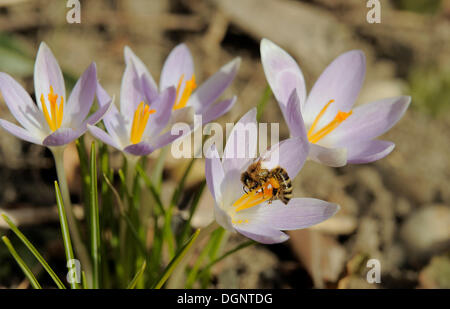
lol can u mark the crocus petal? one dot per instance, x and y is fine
(289, 154)
(300, 213)
(81, 98)
(178, 63)
(368, 151)
(241, 147)
(140, 149)
(95, 117)
(163, 106)
(341, 81)
(103, 136)
(131, 92)
(214, 173)
(20, 104)
(47, 73)
(282, 73)
(369, 121)
(60, 137)
(114, 121)
(333, 157)
(19, 132)
(261, 233)
(217, 110)
(293, 116)
(167, 138)
(212, 88)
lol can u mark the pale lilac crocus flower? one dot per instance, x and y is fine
(55, 120)
(147, 112)
(250, 213)
(337, 133)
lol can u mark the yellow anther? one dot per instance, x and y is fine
(55, 117)
(257, 196)
(141, 116)
(188, 88)
(314, 137)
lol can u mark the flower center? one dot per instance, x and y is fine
(55, 117)
(257, 196)
(317, 136)
(140, 120)
(181, 101)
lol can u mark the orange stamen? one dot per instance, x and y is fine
(340, 117)
(141, 116)
(55, 117)
(257, 196)
(188, 88)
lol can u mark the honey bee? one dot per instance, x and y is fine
(256, 177)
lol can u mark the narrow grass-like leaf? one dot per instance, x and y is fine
(138, 276)
(263, 102)
(26, 270)
(151, 188)
(193, 208)
(33, 250)
(95, 221)
(177, 193)
(65, 230)
(176, 260)
(228, 253)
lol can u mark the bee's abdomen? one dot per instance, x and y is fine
(285, 182)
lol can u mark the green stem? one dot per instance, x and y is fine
(95, 222)
(65, 232)
(58, 154)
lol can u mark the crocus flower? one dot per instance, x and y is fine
(251, 213)
(337, 133)
(147, 112)
(55, 120)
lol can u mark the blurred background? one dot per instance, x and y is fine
(395, 210)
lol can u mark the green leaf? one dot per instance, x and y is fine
(228, 253)
(26, 270)
(159, 167)
(65, 230)
(138, 276)
(176, 260)
(263, 102)
(33, 250)
(95, 222)
(151, 188)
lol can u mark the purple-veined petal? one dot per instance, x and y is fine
(368, 151)
(369, 121)
(217, 110)
(214, 173)
(131, 92)
(241, 146)
(21, 105)
(103, 136)
(140, 149)
(213, 87)
(289, 154)
(142, 72)
(47, 73)
(293, 117)
(114, 122)
(178, 63)
(341, 81)
(333, 157)
(81, 98)
(282, 73)
(163, 106)
(19, 132)
(95, 117)
(168, 137)
(262, 233)
(299, 213)
(60, 137)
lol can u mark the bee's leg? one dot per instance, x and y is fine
(244, 188)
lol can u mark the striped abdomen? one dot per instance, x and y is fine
(284, 193)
